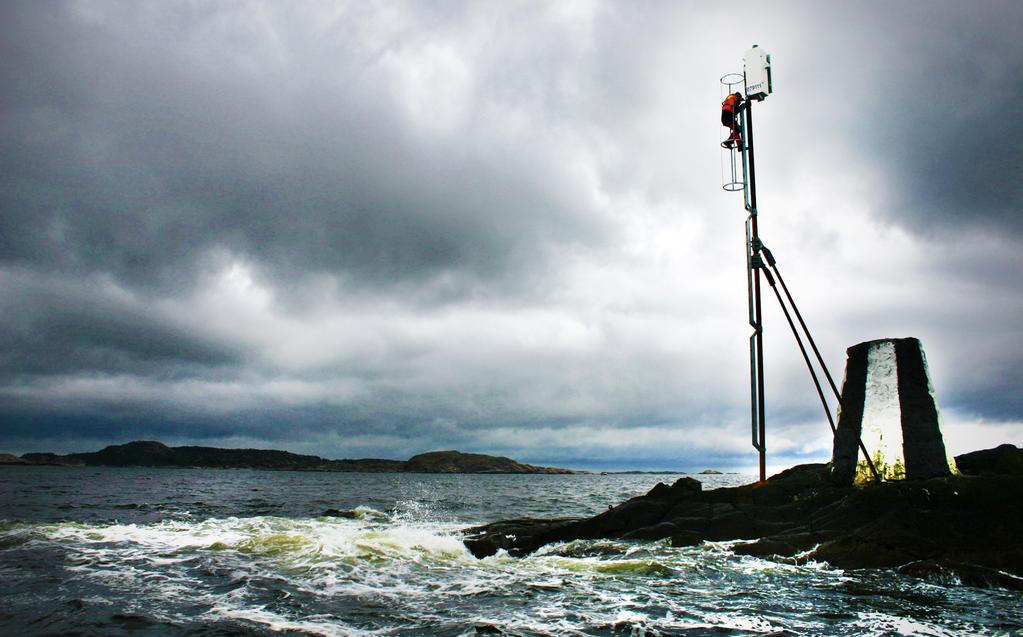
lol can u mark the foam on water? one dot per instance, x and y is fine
(406, 572)
(297, 575)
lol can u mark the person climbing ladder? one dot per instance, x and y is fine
(730, 119)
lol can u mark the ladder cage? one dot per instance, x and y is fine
(733, 174)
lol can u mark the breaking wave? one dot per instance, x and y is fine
(102, 551)
(376, 573)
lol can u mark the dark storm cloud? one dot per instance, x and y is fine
(102, 421)
(378, 229)
(141, 139)
(54, 326)
(948, 116)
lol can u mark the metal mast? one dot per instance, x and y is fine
(756, 85)
(754, 262)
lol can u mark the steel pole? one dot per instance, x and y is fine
(756, 263)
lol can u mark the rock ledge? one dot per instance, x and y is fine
(971, 525)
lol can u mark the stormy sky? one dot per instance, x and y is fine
(375, 229)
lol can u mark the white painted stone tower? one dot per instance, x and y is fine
(888, 401)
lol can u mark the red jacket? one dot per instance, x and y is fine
(729, 109)
(731, 103)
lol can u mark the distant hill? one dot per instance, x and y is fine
(6, 458)
(458, 462)
(149, 453)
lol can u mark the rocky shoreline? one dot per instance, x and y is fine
(969, 525)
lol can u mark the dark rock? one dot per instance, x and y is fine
(889, 545)
(766, 547)
(685, 538)
(710, 472)
(800, 477)
(628, 516)
(517, 537)
(483, 546)
(340, 513)
(655, 532)
(688, 524)
(1002, 460)
(686, 485)
(681, 487)
(960, 573)
(785, 545)
(972, 525)
(731, 526)
(659, 491)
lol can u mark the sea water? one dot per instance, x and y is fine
(107, 551)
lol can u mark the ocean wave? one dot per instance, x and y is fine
(375, 573)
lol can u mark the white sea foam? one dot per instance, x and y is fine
(330, 627)
(418, 573)
(881, 624)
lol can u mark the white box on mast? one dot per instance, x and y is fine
(757, 67)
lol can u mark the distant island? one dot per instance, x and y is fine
(150, 453)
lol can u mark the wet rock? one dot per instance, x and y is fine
(785, 545)
(340, 513)
(685, 538)
(655, 532)
(517, 537)
(959, 573)
(801, 515)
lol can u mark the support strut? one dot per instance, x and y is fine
(772, 263)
